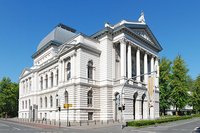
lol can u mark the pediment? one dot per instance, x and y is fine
(142, 33)
(25, 72)
(145, 33)
(65, 48)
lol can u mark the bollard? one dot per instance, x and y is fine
(80, 123)
(95, 122)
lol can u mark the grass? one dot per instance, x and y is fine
(165, 119)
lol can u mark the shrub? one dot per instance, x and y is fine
(139, 123)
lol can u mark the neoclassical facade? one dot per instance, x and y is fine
(89, 72)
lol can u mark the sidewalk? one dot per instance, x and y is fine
(73, 125)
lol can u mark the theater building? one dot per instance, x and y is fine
(89, 72)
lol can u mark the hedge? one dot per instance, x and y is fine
(139, 123)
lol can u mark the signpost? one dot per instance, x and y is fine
(67, 106)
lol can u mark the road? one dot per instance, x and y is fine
(183, 126)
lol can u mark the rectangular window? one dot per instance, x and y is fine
(90, 115)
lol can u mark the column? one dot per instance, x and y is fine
(138, 65)
(152, 64)
(145, 69)
(129, 62)
(123, 59)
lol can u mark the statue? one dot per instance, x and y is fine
(141, 18)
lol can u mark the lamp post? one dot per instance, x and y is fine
(127, 80)
(59, 109)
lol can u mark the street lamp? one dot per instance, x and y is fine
(59, 108)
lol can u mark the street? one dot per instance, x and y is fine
(183, 126)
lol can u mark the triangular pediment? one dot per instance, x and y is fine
(145, 33)
(142, 33)
(25, 72)
(65, 48)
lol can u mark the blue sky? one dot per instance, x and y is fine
(24, 23)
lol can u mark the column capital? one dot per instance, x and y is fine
(123, 40)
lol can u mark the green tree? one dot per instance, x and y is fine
(9, 94)
(196, 95)
(164, 81)
(179, 84)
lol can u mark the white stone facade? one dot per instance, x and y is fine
(89, 72)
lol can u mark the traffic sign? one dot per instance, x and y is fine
(67, 105)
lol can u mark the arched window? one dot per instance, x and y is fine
(22, 104)
(41, 83)
(46, 81)
(51, 79)
(45, 100)
(89, 99)
(142, 105)
(90, 69)
(40, 102)
(66, 97)
(26, 104)
(68, 70)
(51, 101)
(57, 77)
(134, 104)
(56, 100)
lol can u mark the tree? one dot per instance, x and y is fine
(9, 94)
(164, 81)
(196, 95)
(179, 93)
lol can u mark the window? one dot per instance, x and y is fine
(89, 101)
(51, 79)
(45, 102)
(68, 70)
(30, 84)
(57, 77)
(22, 104)
(46, 81)
(41, 83)
(66, 97)
(56, 100)
(90, 115)
(26, 104)
(90, 69)
(40, 102)
(51, 101)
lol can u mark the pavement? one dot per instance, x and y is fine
(182, 126)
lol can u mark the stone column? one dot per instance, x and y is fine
(145, 68)
(123, 59)
(152, 63)
(138, 65)
(129, 62)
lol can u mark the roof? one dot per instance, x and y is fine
(61, 33)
